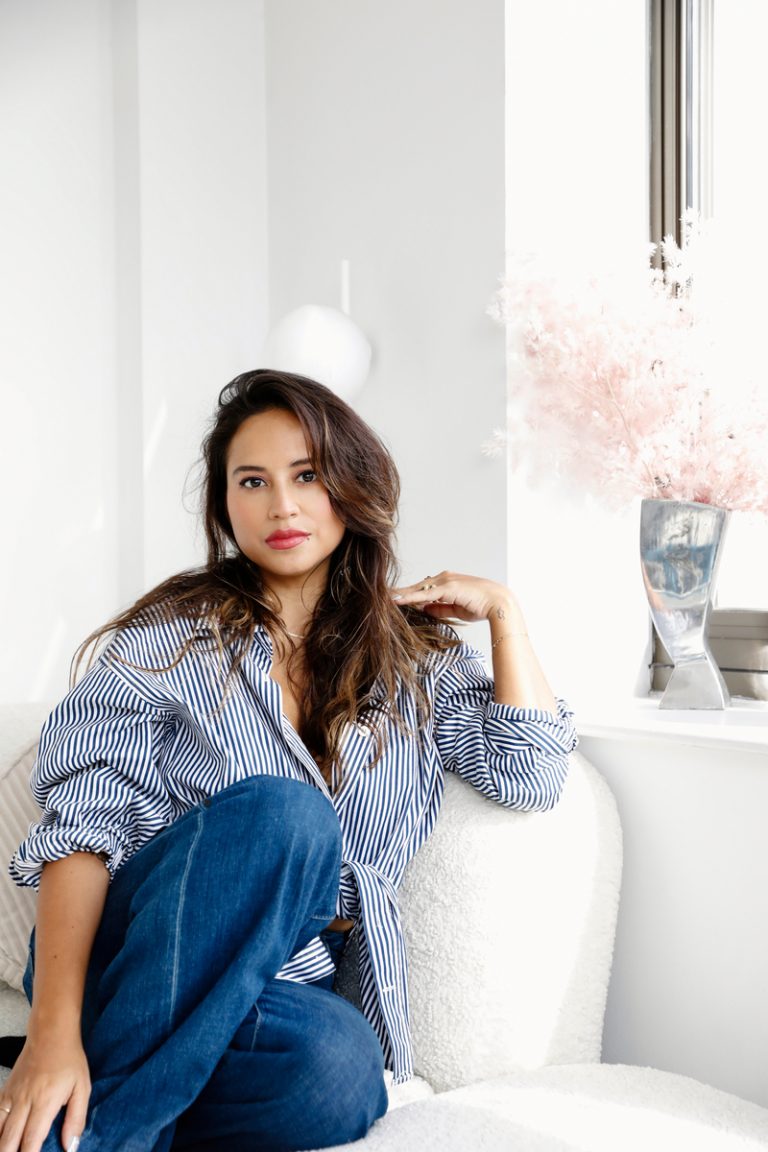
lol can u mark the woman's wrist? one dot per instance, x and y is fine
(60, 1025)
(507, 623)
(505, 616)
(511, 636)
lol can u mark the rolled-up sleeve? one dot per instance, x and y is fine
(97, 777)
(516, 756)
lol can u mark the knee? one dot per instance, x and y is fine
(281, 834)
(289, 814)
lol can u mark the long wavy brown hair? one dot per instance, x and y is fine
(361, 649)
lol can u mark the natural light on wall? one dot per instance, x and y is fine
(578, 180)
(739, 183)
(577, 189)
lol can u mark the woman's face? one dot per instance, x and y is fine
(280, 511)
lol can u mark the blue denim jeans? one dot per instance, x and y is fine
(191, 1042)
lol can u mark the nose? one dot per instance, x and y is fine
(283, 503)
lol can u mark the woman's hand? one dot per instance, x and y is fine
(517, 674)
(51, 1073)
(469, 598)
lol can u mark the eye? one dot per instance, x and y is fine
(307, 476)
(251, 482)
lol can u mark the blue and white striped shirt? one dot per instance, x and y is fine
(129, 750)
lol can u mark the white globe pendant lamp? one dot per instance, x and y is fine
(322, 343)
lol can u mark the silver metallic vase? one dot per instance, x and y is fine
(680, 552)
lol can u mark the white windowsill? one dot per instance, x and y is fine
(743, 725)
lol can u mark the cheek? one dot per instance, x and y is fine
(331, 517)
(235, 509)
(231, 509)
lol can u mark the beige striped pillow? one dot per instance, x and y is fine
(17, 905)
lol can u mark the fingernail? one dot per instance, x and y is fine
(74, 1144)
(397, 596)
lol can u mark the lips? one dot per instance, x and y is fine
(283, 539)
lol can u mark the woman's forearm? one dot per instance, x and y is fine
(51, 1072)
(518, 677)
(72, 896)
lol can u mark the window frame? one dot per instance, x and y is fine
(681, 78)
(681, 169)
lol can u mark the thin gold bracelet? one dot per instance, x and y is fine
(506, 636)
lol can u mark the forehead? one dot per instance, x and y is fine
(271, 438)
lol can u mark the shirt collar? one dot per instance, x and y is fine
(262, 647)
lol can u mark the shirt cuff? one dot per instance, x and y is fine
(549, 731)
(49, 844)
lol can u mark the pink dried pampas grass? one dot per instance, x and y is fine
(623, 384)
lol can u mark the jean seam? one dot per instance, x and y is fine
(179, 914)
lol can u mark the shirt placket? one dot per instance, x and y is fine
(271, 696)
(380, 915)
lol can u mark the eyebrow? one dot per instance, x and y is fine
(260, 468)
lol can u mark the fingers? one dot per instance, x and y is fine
(422, 596)
(426, 591)
(5, 1112)
(25, 1127)
(11, 1125)
(74, 1121)
(445, 596)
(14, 1126)
(26, 1121)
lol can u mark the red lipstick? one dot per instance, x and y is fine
(286, 538)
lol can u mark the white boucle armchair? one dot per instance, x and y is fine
(509, 920)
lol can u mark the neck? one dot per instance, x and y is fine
(295, 606)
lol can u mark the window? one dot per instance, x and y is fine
(706, 89)
(681, 90)
(707, 86)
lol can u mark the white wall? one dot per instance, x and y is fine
(386, 146)
(57, 372)
(203, 239)
(576, 162)
(134, 237)
(134, 213)
(688, 986)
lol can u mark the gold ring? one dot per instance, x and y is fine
(427, 587)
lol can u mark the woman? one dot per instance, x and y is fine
(251, 762)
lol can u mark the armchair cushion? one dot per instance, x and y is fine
(509, 919)
(575, 1108)
(17, 905)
